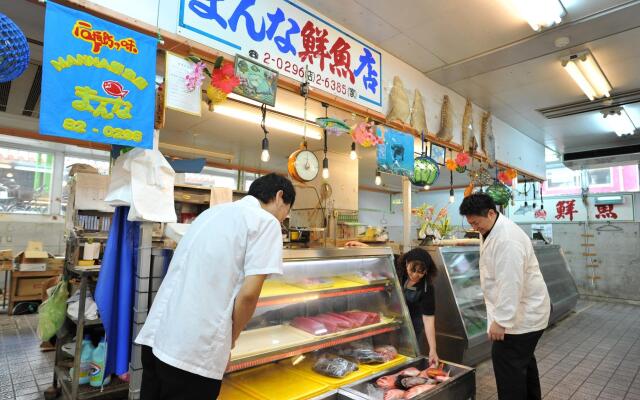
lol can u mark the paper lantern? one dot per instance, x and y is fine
(14, 50)
(425, 171)
(500, 194)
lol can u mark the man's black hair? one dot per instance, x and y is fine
(266, 187)
(477, 204)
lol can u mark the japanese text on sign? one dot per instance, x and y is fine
(573, 210)
(97, 80)
(285, 36)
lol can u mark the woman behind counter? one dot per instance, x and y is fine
(417, 271)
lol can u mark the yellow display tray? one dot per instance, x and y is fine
(372, 368)
(305, 368)
(272, 338)
(274, 382)
(274, 288)
(230, 392)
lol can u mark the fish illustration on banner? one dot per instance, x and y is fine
(395, 155)
(98, 80)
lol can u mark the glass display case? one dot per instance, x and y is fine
(461, 317)
(328, 303)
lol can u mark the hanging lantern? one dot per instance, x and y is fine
(425, 171)
(14, 50)
(500, 194)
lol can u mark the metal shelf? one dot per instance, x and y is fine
(116, 386)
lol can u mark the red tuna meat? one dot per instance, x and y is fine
(308, 325)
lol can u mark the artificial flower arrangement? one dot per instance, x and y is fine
(432, 223)
(507, 176)
(460, 163)
(223, 79)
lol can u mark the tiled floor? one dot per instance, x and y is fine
(25, 372)
(593, 354)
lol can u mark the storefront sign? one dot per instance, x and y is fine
(572, 209)
(97, 80)
(287, 37)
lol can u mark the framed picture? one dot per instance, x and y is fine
(257, 82)
(438, 153)
(395, 156)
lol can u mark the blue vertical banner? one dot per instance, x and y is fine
(98, 80)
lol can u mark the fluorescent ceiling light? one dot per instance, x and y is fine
(619, 121)
(33, 169)
(540, 13)
(5, 166)
(273, 122)
(585, 71)
(194, 151)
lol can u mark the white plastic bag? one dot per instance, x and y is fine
(119, 191)
(152, 180)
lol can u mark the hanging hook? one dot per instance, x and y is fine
(263, 109)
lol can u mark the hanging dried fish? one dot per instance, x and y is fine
(446, 131)
(487, 140)
(398, 102)
(469, 145)
(418, 117)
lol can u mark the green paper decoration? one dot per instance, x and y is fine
(425, 171)
(500, 193)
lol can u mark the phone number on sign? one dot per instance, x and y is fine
(79, 126)
(297, 70)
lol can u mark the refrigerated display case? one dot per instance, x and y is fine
(461, 314)
(327, 302)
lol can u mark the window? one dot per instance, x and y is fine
(562, 181)
(25, 181)
(599, 177)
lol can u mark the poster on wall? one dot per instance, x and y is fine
(395, 155)
(572, 209)
(177, 96)
(291, 39)
(257, 82)
(98, 80)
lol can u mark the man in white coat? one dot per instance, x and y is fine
(516, 296)
(211, 291)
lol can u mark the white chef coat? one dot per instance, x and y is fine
(514, 290)
(189, 324)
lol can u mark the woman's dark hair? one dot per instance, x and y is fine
(477, 204)
(266, 187)
(423, 257)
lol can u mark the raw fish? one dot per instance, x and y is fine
(333, 366)
(417, 390)
(332, 326)
(388, 352)
(348, 324)
(364, 356)
(404, 382)
(394, 394)
(389, 381)
(309, 325)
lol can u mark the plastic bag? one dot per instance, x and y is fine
(333, 366)
(52, 312)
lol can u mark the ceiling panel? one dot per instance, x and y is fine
(406, 48)
(357, 18)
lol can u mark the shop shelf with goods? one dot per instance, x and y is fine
(82, 280)
(327, 303)
(86, 211)
(191, 200)
(461, 316)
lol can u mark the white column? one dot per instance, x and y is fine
(406, 214)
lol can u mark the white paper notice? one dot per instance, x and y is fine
(177, 96)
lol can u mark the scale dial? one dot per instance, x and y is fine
(303, 165)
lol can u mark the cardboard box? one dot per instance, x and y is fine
(55, 263)
(33, 258)
(30, 286)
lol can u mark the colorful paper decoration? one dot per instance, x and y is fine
(364, 133)
(333, 125)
